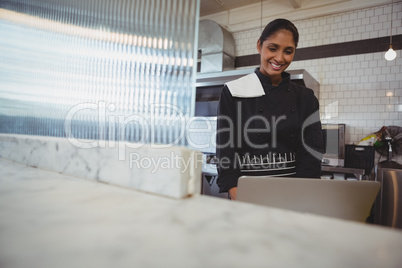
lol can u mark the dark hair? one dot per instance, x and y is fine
(276, 25)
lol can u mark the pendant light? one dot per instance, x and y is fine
(390, 54)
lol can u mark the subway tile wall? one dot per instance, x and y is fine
(363, 91)
(342, 27)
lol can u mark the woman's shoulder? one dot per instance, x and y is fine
(301, 90)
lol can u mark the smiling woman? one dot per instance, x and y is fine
(276, 47)
(276, 54)
(268, 125)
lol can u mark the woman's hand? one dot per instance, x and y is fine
(233, 193)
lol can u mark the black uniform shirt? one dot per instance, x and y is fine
(263, 135)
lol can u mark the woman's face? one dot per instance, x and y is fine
(276, 54)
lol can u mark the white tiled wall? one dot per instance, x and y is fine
(342, 27)
(246, 42)
(363, 91)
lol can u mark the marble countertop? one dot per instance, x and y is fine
(53, 220)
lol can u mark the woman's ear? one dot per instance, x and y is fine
(259, 46)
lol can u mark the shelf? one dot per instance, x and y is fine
(358, 172)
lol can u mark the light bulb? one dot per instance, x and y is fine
(390, 54)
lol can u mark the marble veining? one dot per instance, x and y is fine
(171, 171)
(54, 220)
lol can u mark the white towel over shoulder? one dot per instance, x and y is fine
(248, 86)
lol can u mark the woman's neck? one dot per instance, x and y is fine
(276, 80)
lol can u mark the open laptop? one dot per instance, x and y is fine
(350, 200)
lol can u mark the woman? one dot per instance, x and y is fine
(268, 125)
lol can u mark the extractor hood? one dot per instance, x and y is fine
(216, 46)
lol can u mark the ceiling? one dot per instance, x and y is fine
(242, 15)
(209, 7)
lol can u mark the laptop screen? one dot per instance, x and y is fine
(350, 200)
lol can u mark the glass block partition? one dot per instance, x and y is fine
(98, 70)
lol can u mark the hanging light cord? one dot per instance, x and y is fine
(221, 4)
(224, 7)
(261, 14)
(392, 12)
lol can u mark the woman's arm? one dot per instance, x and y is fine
(311, 147)
(228, 167)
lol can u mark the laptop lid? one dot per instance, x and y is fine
(350, 200)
